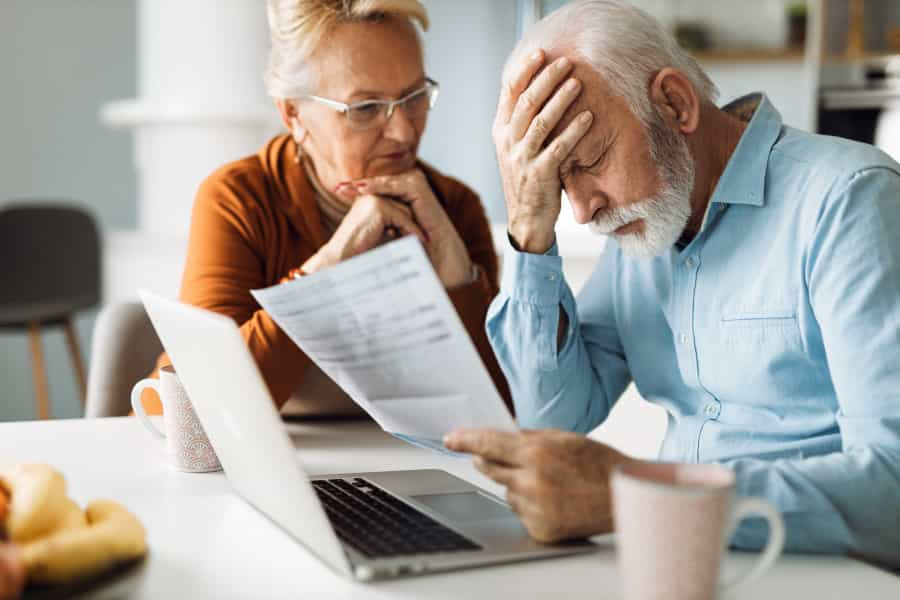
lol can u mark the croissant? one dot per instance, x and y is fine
(37, 499)
(12, 571)
(56, 541)
(112, 535)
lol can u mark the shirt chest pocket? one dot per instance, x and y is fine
(770, 327)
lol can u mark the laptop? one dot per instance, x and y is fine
(366, 526)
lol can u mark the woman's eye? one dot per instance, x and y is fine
(365, 111)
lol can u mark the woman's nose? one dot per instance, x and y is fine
(399, 127)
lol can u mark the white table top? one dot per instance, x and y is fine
(205, 542)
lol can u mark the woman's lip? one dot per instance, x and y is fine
(397, 155)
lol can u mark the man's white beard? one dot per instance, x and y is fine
(664, 215)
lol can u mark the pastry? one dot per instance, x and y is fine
(112, 535)
(37, 499)
(55, 541)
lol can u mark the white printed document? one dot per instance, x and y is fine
(382, 327)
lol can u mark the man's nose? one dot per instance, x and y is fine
(583, 208)
(399, 128)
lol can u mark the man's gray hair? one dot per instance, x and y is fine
(624, 44)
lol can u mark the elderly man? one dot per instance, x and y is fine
(751, 287)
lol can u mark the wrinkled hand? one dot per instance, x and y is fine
(557, 482)
(445, 248)
(371, 221)
(527, 113)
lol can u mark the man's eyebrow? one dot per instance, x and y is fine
(605, 146)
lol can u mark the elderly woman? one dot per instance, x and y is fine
(349, 82)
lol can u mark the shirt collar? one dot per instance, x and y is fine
(744, 178)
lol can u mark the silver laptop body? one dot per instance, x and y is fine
(238, 414)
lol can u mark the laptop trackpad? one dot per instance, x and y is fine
(463, 507)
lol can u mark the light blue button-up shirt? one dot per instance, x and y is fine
(772, 340)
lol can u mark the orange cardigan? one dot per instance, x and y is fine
(255, 219)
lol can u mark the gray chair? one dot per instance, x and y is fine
(49, 270)
(124, 350)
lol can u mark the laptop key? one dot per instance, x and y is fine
(379, 525)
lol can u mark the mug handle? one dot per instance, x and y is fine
(758, 507)
(138, 406)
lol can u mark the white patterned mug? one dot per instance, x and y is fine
(188, 447)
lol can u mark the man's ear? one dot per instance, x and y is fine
(291, 119)
(674, 96)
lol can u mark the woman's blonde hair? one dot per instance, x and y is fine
(298, 26)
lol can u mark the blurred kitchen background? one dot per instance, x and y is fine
(122, 107)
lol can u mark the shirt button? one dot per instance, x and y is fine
(713, 409)
(551, 276)
(683, 338)
(690, 263)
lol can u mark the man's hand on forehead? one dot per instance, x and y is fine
(532, 104)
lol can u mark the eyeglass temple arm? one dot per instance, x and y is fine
(330, 103)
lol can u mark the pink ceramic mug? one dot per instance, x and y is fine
(673, 522)
(188, 447)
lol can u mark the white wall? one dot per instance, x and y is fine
(789, 85)
(465, 50)
(742, 24)
(58, 62)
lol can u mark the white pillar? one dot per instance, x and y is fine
(887, 130)
(201, 103)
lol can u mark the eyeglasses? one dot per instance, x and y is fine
(375, 113)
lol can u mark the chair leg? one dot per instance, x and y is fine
(77, 361)
(38, 371)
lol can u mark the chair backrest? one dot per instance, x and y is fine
(49, 251)
(124, 350)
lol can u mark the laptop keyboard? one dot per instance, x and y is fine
(378, 525)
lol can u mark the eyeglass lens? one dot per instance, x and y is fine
(415, 106)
